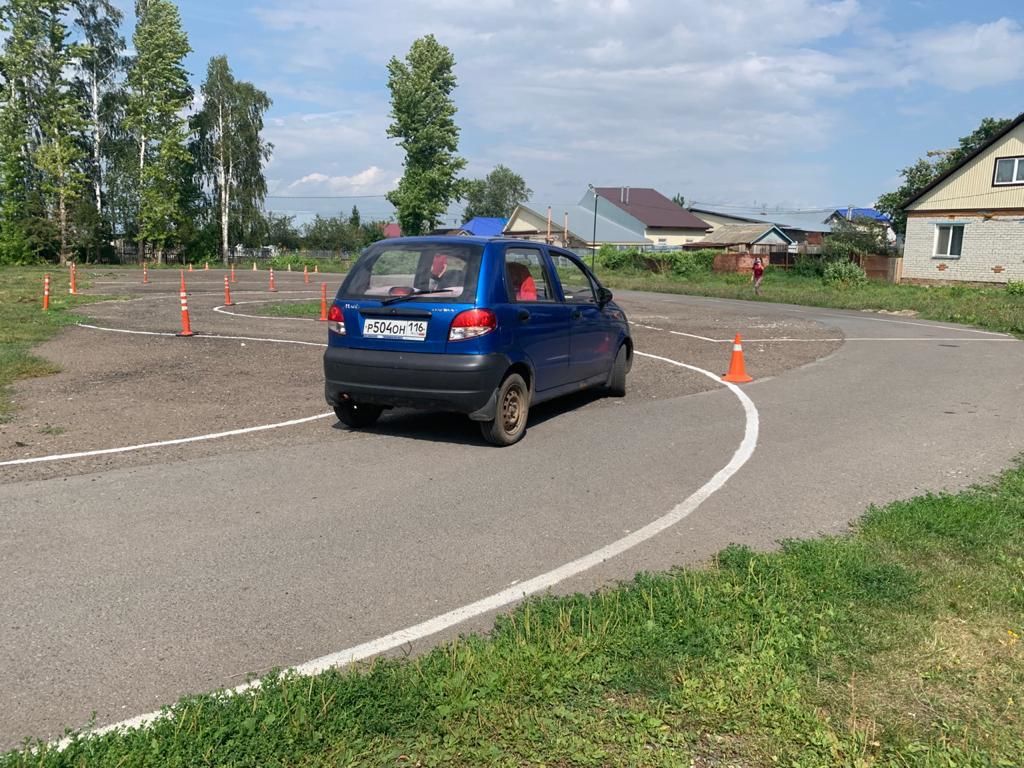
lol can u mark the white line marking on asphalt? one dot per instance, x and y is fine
(695, 336)
(165, 443)
(200, 335)
(222, 309)
(530, 586)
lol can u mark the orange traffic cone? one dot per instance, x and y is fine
(73, 287)
(323, 302)
(227, 292)
(737, 369)
(305, 273)
(289, 267)
(186, 326)
(145, 274)
(254, 266)
(189, 267)
(46, 293)
(273, 288)
(233, 278)
(207, 267)
(316, 269)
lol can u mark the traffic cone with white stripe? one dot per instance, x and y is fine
(186, 325)
(73, 286)
(305, 273)
(323, 302)
(46, 293)
(207, 267)
(273, 288)
(233, 278)
(189, 267)
(737, 368)
(254, 266)
(227, 292)
(145, 274)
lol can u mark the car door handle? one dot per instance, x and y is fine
(577, 314)
(524, 315)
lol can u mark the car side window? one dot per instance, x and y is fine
(526, 277)
(576, 283)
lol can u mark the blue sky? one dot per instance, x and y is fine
(787, 103)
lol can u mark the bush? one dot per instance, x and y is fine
(1015, 287)
(840, 273)
(693, 263)
(808, 266)
(616, 260)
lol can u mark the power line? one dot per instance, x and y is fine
(323, 197)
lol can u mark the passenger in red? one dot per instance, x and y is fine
(521, 282)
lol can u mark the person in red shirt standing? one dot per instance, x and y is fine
(758, 274)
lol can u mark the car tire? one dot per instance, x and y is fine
(357, 415)
(513, 409)
(616, 385)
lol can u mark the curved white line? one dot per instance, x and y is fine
(204, 336)
(222, 309)
(529, 587)
(165, 443)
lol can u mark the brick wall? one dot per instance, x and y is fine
(993, 250)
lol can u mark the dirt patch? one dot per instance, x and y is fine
(120, 389)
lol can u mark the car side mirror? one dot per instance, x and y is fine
(604, 296)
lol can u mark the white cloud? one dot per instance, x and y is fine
(370, 181)
(682, 95)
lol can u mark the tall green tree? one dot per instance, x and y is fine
(59, 156)
(230, 150)
(495, 195)
(423, 121)
(101, 65)
(21, 207)
(923, 172)
(158, 92)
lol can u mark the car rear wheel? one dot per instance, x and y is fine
(357, 415)
(617, 376)
(509, 423)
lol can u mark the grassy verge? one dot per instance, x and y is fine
(993, 308)
(310, 309)
(23, 324)
(899, 644)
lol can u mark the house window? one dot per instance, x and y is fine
(949, 240)
(1009, 170)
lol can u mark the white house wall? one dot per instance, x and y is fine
(992, 250)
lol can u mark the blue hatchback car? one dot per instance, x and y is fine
(483, 327)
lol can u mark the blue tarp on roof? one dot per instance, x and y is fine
(863, 213)
(483, 226)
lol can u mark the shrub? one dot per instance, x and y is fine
(809, 266)
(692, 263)
(840, 273)
(1015, 287)
(616, 260)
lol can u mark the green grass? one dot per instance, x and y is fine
(23, 324)
(897, 645)
(310, 309)
(993, 308)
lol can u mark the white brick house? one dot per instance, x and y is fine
(968, 224)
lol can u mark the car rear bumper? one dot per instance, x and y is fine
(460, 383)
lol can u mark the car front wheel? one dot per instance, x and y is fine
(357, 415)
(509, 423)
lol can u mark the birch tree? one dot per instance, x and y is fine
(230, 150)
(158, 93)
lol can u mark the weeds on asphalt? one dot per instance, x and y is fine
(24, 324)
(994, 308)
(899, 644)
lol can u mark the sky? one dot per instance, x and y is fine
(780, 103)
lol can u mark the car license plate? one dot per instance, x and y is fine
(408, 330)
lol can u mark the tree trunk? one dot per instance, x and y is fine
(223, 182)
(62, 216)
(96, 140)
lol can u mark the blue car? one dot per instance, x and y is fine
(479, 326)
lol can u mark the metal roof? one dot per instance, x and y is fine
(741, 234)
(650, 207)
(581, 225)
(806, 221)
(485, 226)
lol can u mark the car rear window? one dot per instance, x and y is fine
(388, 270)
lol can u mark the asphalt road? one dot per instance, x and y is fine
(130, 583)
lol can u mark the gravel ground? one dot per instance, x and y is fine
(119, 389)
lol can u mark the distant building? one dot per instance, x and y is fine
(585, 228)
(664, 222)
(392, 230)
(808, 227)
(968, 224)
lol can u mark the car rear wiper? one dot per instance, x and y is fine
(419, 292)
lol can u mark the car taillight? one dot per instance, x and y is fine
(471, 324)
(336, 320)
